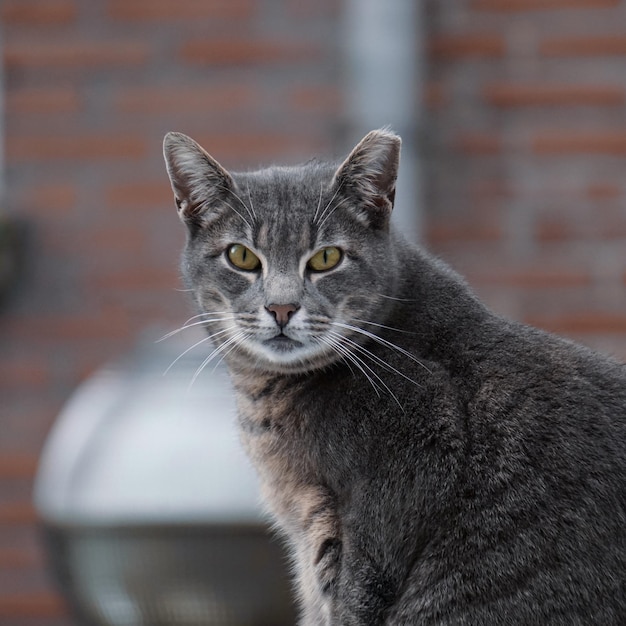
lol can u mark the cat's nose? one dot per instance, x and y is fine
(282, 312)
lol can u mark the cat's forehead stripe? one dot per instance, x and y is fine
(285, 207)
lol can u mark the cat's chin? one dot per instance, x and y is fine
(284, 355)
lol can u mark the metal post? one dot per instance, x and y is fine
(384, 73)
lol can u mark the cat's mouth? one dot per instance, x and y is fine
(282, 343)
(283, 353)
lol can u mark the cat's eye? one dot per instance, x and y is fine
(325, 259)
(243, 258)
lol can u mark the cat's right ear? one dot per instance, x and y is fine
(198, 180)
(368, 176)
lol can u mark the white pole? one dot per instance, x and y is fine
(383, 43)
(2, 123)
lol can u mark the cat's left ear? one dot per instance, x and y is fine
(369, 175)
(198, 181)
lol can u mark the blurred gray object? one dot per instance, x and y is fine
(383, 46)
(149, 504)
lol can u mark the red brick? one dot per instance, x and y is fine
(114, 240)
(31, 605)
(582, 323)
(61, 147)
(44, 100)
(134, 280)
(17, 466)
(434, 95)
(550, 229)
(180, 9)
(140, 194)
(314, 8)
(611, 229)
(49, 199)
(24, 538)
(604, 191)
(533, 5)
(246, 51)
(18, 559)
(601, 45)
(326, 99)
(176, 99)
(259, 147)
(26, 12)
(476, 143)
(23, 374)
(517, 95)
(81, 326)
(458, 47)
(604, 225)
(447, 230)
(62, 239)
(17, 513)
(486, 189)
(575, 142)
(532, 278)
(75, 54)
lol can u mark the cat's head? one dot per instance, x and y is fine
(293, 267)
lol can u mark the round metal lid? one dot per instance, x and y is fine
(135, 445)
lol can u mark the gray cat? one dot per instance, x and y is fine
(428, 461)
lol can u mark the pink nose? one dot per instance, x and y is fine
(282, 312)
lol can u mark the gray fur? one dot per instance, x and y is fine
(428, 461)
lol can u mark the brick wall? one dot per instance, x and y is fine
(91, 88)
(525, 139)
(526, 147)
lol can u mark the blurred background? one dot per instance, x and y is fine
(513, 114)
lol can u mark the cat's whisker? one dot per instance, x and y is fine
(340, 342)
(195, 317)
(319, 203)
(200, 323)
(353, 345)
(382, 295)
(321, 217)
(233, 347)
(187, 326)
(376, 358)
(203, 340)
(342, 357)
(180, 356)
(346, 354)
(343, 341)
(352, 358)
(235, 338)
(243, 219)
(332, 211)
(251, 210)
(397, 330)
(382, 342)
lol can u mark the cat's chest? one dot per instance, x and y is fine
(313, 428)
(276, 423)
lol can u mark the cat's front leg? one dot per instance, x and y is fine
(315, 606)
(319, 556)
(317, 588)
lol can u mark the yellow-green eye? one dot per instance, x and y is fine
(325, 259)
(243, 258)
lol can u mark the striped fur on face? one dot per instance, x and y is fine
(295, 310)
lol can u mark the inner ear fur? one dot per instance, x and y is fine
(198, 180)
(369, 174)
